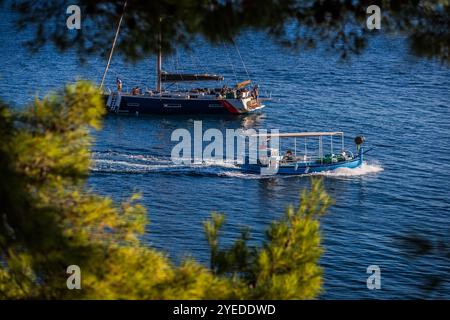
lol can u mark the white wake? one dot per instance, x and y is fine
(365, 169)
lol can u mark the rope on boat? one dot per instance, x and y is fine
(240, 57)
(113, 45)
(230, 62)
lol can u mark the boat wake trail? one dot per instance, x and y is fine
(123, 163)
(365, 169)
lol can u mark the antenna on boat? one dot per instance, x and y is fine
(159, 59)
(113, 45)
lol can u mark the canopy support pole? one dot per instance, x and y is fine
(321, 149)
(331, 144)
(295, 146)
(306, 150)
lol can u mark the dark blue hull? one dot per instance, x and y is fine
(162, 105)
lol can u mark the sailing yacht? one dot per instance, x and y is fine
(239, 99)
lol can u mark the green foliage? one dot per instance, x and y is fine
(286, 266)
(49, 220)
(288, 263)
(339, 23)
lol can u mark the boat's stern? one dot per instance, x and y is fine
(113, 100)
(243, 105)
(267, 162)
(359, 140)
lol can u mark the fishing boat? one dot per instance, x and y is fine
(298, 161)
(238, 99)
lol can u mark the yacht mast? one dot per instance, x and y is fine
(159, 60)
(113, 45)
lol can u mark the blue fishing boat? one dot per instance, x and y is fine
(301, 161)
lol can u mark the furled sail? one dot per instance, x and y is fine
(242, 84)
(178, 77)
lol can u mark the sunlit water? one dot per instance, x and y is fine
(400, 103)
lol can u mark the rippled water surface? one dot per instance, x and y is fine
(400, 103)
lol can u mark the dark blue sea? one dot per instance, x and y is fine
(400, 103)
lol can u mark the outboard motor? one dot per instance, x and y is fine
(359, 140)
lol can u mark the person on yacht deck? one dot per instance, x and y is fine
(119, 84)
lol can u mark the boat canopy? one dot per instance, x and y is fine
(300, 134)
(178, 77)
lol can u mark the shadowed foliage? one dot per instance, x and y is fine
(416, 246)
(339, 23)
(50, 220)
